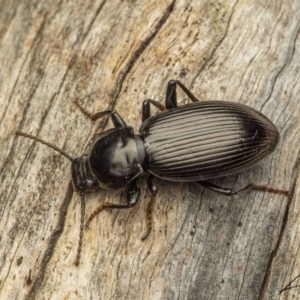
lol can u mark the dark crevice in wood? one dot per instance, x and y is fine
(37, 283)
(144, 44)
(13, 150)
(211, 56)
(288, 59)
(13, 256)
(295, 175)
(21, 68)
(123, 74)
(5, 25)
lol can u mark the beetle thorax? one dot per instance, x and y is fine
(115, 158)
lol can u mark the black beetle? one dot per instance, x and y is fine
(190, 143)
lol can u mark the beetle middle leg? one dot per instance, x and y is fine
(115, 117)
(146, 108)
(248, 187)
(171, 95)
(133, 196)
(170, 101)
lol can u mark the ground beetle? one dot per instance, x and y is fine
(190, 143)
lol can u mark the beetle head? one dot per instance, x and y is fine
(83, 179)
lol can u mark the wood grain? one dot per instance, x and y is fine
(115, 54)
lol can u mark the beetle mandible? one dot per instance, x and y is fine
(190, 143)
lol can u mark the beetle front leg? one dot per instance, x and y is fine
(153, 189)
(248, 187)
(115, 117)
(133, 196)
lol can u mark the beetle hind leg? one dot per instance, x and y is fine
(248, 187)
(264, 188)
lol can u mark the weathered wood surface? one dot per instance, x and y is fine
(116, 54)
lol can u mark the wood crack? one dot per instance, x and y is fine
(215, 48)
(37, 284)
(295, 175)
(144, 44)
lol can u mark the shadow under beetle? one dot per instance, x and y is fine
(191, 143)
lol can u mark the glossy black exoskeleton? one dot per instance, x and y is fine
(190, 143)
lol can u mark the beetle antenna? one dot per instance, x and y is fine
(81, 229)
(45, 143)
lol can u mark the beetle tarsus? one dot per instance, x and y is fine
(93, 117)
(248, 187)
(146, 234)
(93, 215)
(83, 110)
(264, 188)
(116, 118)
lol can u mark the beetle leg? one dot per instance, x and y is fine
(171, 99)
(216, 188)
(187, 91)
(264, 188)
(153, 188)
(250, 186)
(171, 95)
(146, 108)
(133, 193)
(116, 118)
(133, 196)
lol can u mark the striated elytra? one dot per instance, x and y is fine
(205, 140)
(189, 143)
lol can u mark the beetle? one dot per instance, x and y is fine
(190, 143)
